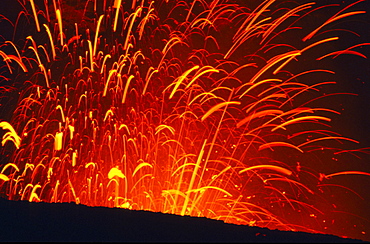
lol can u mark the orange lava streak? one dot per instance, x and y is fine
(59, 18)
(96, 34)
(3, 177)
(279, 144)
(16, 59)
(347, 173)
(117, 6)
(217, 107)
(270, 167)
(35, 15)
(11, 135)
(328, 138)
(292, 121)
(336, 17)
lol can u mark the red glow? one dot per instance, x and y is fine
(175, 106)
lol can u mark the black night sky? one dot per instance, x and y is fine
(352, 74)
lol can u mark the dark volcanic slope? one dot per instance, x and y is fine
(24, 221)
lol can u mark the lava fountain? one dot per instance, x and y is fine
(202, 108)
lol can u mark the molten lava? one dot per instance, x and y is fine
(201, 108)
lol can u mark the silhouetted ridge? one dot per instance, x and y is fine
(25, 221)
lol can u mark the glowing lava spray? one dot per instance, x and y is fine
(201, 108)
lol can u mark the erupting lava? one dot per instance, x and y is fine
(201, 108)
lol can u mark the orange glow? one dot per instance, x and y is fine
(203, 108)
